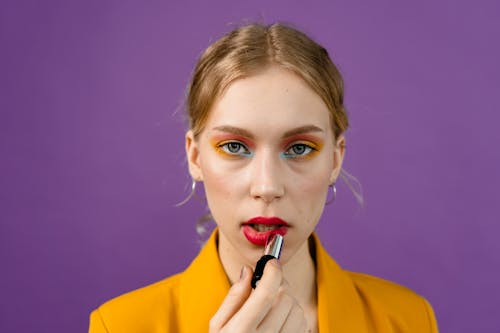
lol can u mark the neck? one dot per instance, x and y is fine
(302, 281)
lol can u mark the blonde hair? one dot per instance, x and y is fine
(252, 48)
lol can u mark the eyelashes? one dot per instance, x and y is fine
(299, 150)
(234, 148)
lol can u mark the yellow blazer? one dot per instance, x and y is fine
(347, 302)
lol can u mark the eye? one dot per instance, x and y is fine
(234, 148)
(298, 150)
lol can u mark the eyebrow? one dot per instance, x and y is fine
(301, 130)
(234, 130)
(287, 134)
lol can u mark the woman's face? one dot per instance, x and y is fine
(266, 157)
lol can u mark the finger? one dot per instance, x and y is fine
(278, 313)
(235, 298)
(271, 280)
(295, 322)
(260, 301)
(285, 286)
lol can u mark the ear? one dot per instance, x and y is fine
(338, 158)
(193, 156)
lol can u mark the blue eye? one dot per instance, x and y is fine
(298, 150)
(235, 148)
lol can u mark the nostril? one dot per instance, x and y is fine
(267, 193)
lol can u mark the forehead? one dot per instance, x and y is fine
(274, 99)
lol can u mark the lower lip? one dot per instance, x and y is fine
(260, 238)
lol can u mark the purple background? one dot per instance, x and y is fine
(92, 158)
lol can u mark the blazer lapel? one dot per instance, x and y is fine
(340, 309)
(203, 286)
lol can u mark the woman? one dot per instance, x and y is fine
(267, 119)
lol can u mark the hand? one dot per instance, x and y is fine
(269, 308)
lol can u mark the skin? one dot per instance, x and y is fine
(267, 149)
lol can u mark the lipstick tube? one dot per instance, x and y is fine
(272, 251)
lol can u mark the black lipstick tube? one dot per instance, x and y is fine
(272, 251)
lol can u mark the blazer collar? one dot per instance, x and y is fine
(204, 285)
(340, 308)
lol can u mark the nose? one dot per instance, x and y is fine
(267, 177)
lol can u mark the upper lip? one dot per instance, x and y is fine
(266, 221)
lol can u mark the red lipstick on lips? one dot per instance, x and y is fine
(260, 237)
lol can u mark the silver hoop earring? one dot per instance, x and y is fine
(191, 194)
(334, 194)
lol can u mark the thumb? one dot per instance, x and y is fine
(237, 295)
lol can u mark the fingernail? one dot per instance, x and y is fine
(243, 273)
(277, 262)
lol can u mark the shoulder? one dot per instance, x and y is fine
(400, 306)
(152, 294)
(390, 292)
(139, 310)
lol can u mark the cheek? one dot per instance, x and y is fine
(310, 195)
(222, 184)
(313, 194)
(219, 188)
